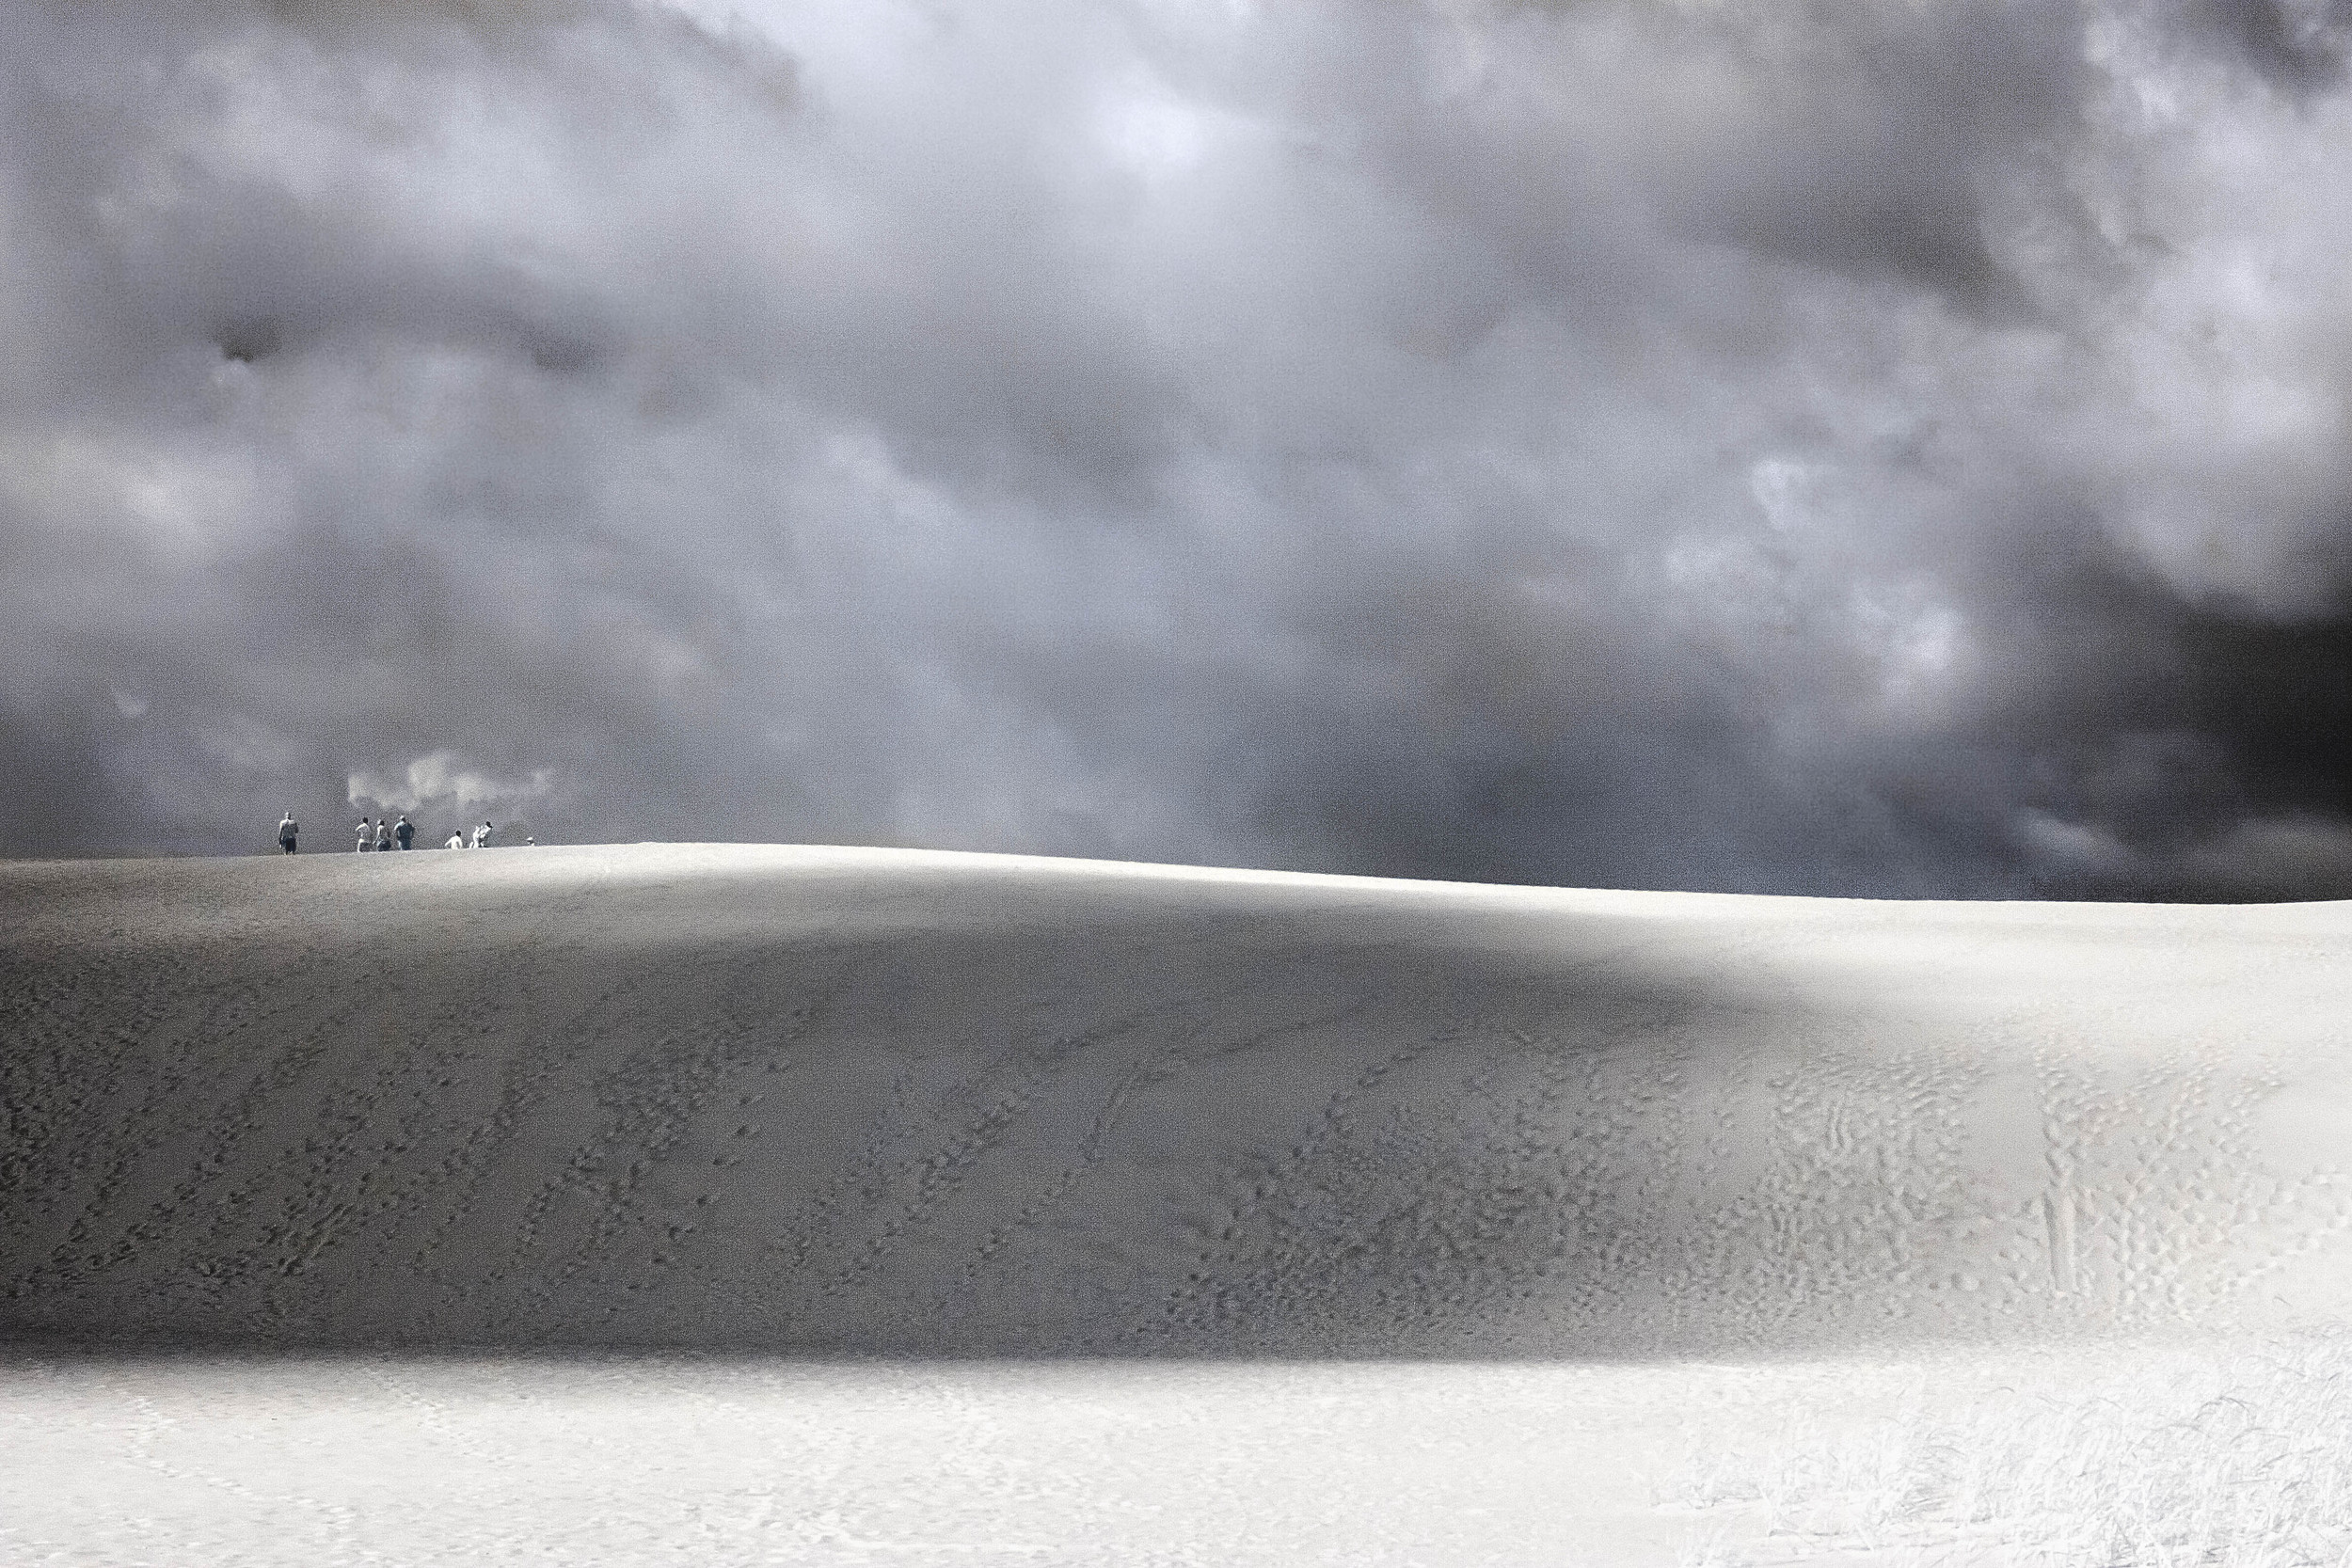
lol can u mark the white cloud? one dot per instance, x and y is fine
(443, 779)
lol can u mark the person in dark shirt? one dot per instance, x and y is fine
(404, 831)
(286, 831)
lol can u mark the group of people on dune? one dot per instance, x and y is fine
(385, 833)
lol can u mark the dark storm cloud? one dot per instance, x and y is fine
(2297, 45)
(1872, 448)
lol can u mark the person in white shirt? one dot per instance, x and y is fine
(367, 835)
(482, 837)
(456, 841)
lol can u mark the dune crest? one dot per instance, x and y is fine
(867, 1101)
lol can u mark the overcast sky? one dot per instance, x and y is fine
(1866, 448)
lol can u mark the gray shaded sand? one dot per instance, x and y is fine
(875, 1102)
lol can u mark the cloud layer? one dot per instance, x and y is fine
(1807, 448)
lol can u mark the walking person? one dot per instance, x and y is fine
(404, 831)
(286, 831)
(367, 835)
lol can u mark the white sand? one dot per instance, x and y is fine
(780, 1102)
(2098, 1457)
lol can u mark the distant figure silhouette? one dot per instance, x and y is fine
(367, 835)
(384, 834)
(456, 840)
(404, 831)
(286, 831)
(482, 837)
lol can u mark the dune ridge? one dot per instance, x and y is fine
(853, 1101)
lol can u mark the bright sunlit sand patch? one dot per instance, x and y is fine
(2226, 1454)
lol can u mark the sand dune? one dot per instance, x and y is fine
(835, 1101)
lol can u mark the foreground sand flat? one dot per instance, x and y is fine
(819, 1101)
(2089, 1457)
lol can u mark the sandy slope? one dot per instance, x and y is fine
(855, 1101)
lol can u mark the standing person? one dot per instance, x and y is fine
(384, 834)
(286, 831)
(456, 840)
(482, 837)
(404, 831)
(367, 835)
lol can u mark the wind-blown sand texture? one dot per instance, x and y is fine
(690, 1205)
(879, 1102)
